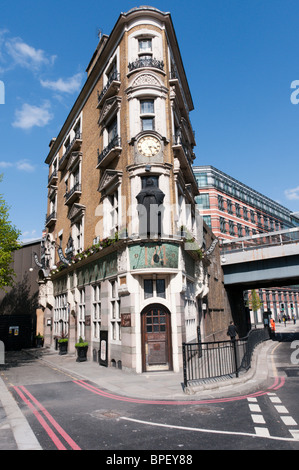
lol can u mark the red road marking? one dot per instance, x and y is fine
(102, 393)
(282, 382)
(44, 424)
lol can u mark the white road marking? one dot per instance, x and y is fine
(255, 408)
(288, 420)
(275, 399)
(263, 432)
(295, 434)
(281, 409)
(258, 419)
(211, 431)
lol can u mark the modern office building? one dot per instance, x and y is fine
(124, 254)
(234, 210)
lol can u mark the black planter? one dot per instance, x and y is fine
(39, 342)
(63, 348)
(82, 353)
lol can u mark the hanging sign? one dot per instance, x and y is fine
(62, 257)
(37, 262)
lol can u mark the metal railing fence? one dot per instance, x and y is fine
(278, 238)
(220, 359)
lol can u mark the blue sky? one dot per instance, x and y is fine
(240, 57)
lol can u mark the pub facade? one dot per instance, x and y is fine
(125, 251)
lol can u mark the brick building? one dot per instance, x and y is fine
(234, 210)
(120, 269)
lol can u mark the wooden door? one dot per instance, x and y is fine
(156, 338)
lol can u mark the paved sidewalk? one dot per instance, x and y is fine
(16, 434)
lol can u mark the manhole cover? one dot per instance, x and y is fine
(111, 414)
(102, 414)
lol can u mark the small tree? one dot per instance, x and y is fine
(254, 302)
(8, 243)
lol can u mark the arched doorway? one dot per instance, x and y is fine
(156, 338)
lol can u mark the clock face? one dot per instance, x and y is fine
(149, 146)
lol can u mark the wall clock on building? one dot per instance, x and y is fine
(149, 146)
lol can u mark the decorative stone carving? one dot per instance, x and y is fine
(77, 210)
(109, 178)
(111, 104)
(146, 79)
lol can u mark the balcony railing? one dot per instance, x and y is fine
(109, 152)
(73, 193)
(73, 145)
(177, 141)
(149, 62)
(51, 219)
(113, 82)
(53, 177)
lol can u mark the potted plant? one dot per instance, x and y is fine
(39, 340)
(82, 348)
(63, 344)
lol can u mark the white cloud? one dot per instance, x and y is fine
(21, 165)
(27, 56)
(5, 164)
(292, 193)
(69, 85)
(29, 236)
(29, 116)
(25, 165)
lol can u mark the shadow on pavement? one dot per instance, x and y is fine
(17, 358)
(286, 337)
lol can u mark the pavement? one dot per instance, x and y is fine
(16, 434)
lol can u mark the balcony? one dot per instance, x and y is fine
(110, 89)
(149, 62)
(53, 178)
(73, 194)
(112, 150)
(186, 157)
(51, 219)
(74, 145)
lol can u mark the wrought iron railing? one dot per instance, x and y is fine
(148, 62)
(115, 142)
(114, 77)
(50, 217)
(281, 237)
(220, 359)
(53, 175)
(75, 188)
(78, 137)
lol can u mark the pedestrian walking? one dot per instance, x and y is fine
(294, 319)
(232, 331)
(272, 326)
(284, 319)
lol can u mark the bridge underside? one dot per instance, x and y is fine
(275, 272)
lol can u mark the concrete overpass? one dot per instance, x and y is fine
(268, 259)
(264, 260)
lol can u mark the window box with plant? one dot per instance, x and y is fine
(82, 348)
